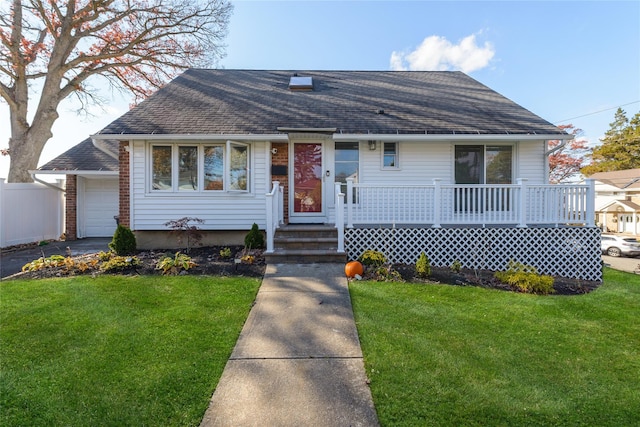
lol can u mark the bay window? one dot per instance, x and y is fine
(200, 168)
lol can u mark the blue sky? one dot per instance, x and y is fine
(567, 61)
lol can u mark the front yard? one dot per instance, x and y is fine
(149, 350)
(449, 355)
(116, 350)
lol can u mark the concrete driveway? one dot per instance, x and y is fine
(11, 262)
(622, 263)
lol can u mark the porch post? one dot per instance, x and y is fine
(340, 217)
(350, 202)
(590, 206)
(522, 182)
(271, 218)
(437, 198)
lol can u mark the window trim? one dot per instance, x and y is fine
(174, 190)
(397, 156)
(484, 159)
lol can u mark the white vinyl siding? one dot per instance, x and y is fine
(230, 210)
(531, 163)
(420, 164)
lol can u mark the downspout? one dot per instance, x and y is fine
(102, 147)
(48, 184)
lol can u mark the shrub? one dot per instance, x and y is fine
(423, 266)
(120, 263)
(123, 242)
(387, 273)
(525, 278)
(372, 258)
(225, 253)
(185, 232)
(254, 238)
(456, 267)
(175, 265)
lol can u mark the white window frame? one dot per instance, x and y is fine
(397, 157)
(175, 190)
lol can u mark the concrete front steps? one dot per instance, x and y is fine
(305, 244)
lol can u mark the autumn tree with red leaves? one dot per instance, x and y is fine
(565, 163)
(62, 47)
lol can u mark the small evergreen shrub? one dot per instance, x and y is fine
(371, 258)
(225, 253)
(423, 266)
(254, 238)
(124, 241)
(525, 278)
(175, 265)
(456, 266)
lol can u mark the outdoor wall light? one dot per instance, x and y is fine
(274, 151)
(372, 145)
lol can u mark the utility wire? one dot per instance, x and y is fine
(597, 112)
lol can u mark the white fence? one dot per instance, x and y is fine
(446, 204)
(29, 213)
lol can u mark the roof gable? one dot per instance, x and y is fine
(356, 102)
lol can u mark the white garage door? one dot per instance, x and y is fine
(100, 206)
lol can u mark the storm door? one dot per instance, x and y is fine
(307, 204)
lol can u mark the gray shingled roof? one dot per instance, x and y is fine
(259, 102)
(84, 157)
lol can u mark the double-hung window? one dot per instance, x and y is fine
(390, 155)
(200, 168)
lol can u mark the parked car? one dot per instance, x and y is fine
(618, 245)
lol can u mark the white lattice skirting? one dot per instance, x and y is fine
(572, 252)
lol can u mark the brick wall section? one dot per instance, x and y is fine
(71, 208)
(281, 158)
(124, 179)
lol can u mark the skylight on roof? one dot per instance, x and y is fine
(301, 83)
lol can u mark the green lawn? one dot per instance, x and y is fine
(448, 355)
(116, 350)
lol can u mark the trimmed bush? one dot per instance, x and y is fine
(525, 278)
(372, 258)
(254, 238)
(124, 241)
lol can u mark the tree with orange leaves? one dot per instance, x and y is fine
(565, 163)
(62, 46)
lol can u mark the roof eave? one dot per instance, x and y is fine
(193, 137)
(449, 137)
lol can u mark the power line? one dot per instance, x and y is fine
(597, 112)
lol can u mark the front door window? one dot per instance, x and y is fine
(307, 178)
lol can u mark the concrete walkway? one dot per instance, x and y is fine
(298, 360)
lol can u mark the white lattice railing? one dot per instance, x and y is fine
(275, 213)
(515, 204)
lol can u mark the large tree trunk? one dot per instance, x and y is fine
(28, 141)
(25, 153)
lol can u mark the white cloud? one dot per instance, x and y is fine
(436, 53)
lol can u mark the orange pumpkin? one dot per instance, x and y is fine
(353, 269)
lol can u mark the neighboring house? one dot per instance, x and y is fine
(406, 161)
(618, 201)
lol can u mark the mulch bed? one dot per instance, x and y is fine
(208, 259)
(210, 262)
